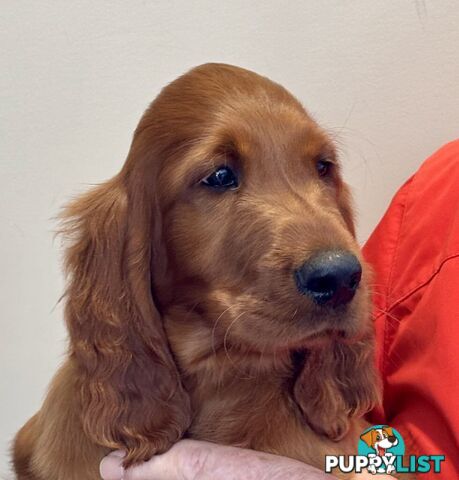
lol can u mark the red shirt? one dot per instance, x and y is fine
(415, 255)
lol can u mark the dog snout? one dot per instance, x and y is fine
(392, 438)
(330, 278)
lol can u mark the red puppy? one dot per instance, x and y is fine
(215, 290)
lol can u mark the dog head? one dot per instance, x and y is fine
(256, 221)
(229, 216)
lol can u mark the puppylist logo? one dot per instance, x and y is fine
(381, 449)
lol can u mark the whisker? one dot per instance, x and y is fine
(214, 328)
(225, 345)
(258, 370)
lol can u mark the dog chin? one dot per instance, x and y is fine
(306, 332)
(324, 337)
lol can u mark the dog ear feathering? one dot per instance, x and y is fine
(128, 382)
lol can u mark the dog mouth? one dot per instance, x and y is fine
(328, 336)
(320, 340)
(279, 323)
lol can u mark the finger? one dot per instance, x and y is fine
(111, 467)
(159, 467)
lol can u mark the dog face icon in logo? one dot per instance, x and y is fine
(381, 441)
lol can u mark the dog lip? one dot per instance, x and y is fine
(326, 336)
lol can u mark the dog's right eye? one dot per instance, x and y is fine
(223, 178)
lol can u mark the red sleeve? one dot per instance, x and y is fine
(415, 254)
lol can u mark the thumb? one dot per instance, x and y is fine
(111, 466)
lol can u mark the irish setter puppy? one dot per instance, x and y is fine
(215, 290)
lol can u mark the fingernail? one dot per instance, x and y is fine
(111, 467)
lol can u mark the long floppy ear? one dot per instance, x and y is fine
(336, 384)
(129, 388)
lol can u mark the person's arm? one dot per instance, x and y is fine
(197, 460)
(192, 460)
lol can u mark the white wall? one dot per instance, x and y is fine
(75, 77)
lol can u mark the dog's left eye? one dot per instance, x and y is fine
(222, 178)
(324, 167)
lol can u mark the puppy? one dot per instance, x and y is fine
(215, 290)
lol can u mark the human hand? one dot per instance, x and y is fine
(192, 459)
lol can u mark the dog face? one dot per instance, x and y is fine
(251, 197)
(380, 439)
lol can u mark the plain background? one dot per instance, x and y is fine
(382, 76)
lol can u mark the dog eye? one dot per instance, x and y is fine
(323, 167)
(222, 178)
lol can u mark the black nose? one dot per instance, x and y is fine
(392, 438)
(330, 278)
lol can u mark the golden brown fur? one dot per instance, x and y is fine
(181, 309)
